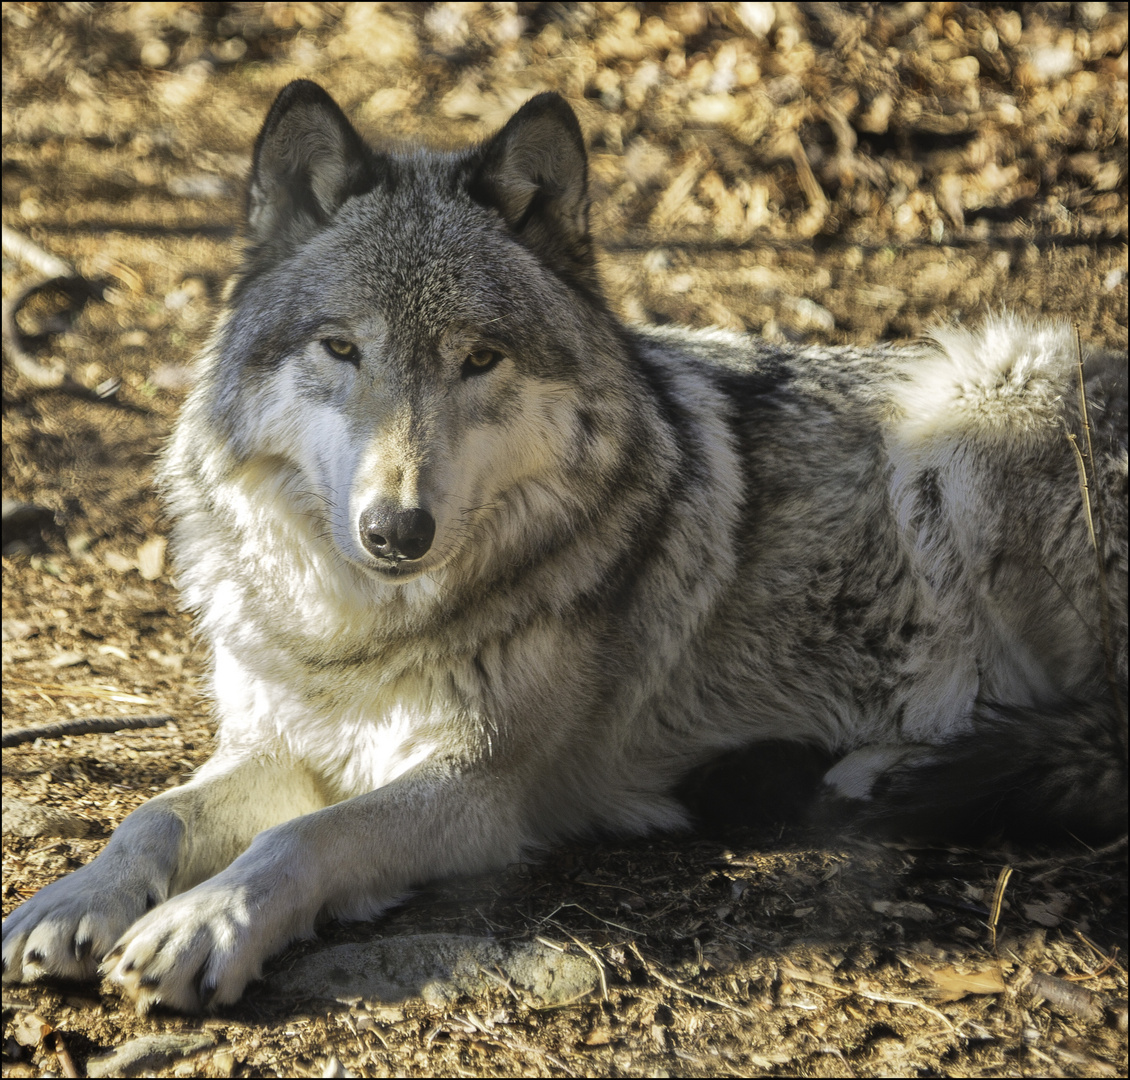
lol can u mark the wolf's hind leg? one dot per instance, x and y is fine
(856, 776)
(1030, 773)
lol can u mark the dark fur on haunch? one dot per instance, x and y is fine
(997, 780)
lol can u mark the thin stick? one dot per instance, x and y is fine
(13, 685)
(66, 1062)
(89, 725)
(1099, 546)
(20, 247)
(591, 953)
(1108, 961)
(1086, 489)
(473, 1023)
(998, 902)
(672, 985)
(870, 995)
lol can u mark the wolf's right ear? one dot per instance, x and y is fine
(308, 161)
(534, 172)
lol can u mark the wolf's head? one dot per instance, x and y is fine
(309, 161)
(419, 339)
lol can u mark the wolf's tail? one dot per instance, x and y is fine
(1027, 773)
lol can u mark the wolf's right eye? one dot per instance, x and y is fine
(340, 349)
(481, 360)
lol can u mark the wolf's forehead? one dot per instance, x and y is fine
(416, 249)
(418, 221)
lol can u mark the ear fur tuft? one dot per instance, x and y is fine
(308, 160)
(534, 172)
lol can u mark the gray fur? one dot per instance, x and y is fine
(651, 548)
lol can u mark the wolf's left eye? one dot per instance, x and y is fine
(340, 349)
(479, 361)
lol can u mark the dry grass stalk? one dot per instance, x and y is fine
(998, 901)
(659, 977)
(592, 955)
(870, 995)
(1097, 542)
(30, 686)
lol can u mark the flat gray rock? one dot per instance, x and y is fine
(27, 819)
(436, 967)
(149, 1053)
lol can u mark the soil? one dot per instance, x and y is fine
(816, 172)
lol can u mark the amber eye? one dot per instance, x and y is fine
(340, 349)
(481, 360)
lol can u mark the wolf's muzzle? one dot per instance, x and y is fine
(395, 535)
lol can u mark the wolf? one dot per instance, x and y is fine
(481, 567)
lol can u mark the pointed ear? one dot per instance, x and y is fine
(534, 172)
(308, 161)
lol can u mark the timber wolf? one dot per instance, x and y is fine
(481, 567)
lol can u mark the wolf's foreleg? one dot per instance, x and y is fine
(165, 846)
(352, 860)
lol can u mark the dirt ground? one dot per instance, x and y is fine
(808, 172)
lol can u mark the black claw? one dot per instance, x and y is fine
(83, 947)
(33, 956)
(205, 988)
(149, 981)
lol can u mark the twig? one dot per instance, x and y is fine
(1063, 996)
(66, 1062)
(591, 915)
(591, 954)
(1071, 603)
(20, 247)
(1085, 488)
(547, 943)
(14, 685)
(998, 902)
(499, 977)
(1100, 547)
(88, 725)
(1056, 863)
(473, 1024)
(817, 200)
(870, 995)
(1108, 961)
(672, 985)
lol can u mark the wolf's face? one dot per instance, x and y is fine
(417, 337)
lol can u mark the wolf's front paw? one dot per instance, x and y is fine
(197, 950)
(68, 927)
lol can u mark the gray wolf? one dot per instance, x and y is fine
(481, 567)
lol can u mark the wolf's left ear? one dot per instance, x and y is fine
(535, 173)
(308, 161)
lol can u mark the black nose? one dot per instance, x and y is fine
(395, 535)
